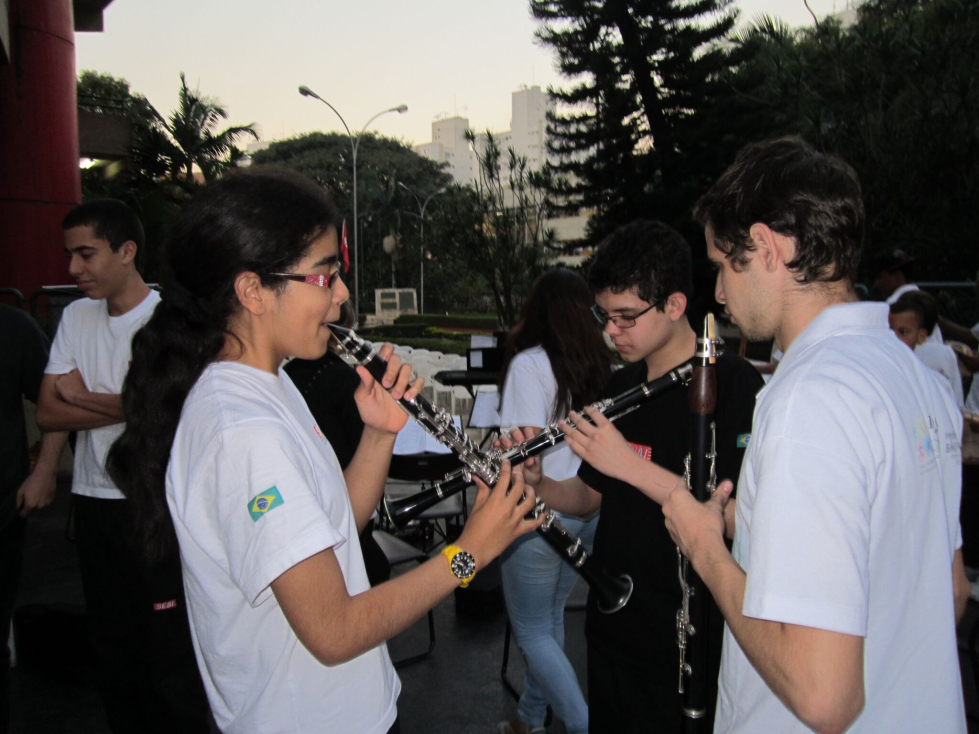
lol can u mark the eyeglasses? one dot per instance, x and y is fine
(621, 320)
(323, 281)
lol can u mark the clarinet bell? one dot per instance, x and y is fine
(612, 592)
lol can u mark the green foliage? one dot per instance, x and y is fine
(418, 337)
(897, 96)
(633, 133)
(191, 138)
(385, 208)
(507, 238)
(139, 183)
(474, 322)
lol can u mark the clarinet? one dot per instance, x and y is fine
(611, 592)
(701, 477)
(401, 512)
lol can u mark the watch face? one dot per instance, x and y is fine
(463, 565)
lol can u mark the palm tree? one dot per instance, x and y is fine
(192, 140)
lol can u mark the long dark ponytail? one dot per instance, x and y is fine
(262, 220)
(556, 317)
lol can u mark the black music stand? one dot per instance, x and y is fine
(397, 552)
(426, 468)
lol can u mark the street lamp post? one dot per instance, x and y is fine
(421, 216)
(354, 145)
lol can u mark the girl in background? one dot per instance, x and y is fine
(556, 361)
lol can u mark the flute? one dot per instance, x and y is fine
(612, 593)
(701, 477)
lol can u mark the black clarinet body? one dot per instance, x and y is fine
(692, 618)
(612, 592)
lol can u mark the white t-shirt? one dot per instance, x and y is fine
(847, 519)
(529, 398)
(972, 401)
(942, 359)
(99, 346)
(254, 488)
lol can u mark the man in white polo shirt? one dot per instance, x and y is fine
(146, 671)
(846, 578)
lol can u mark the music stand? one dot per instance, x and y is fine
(426, 468)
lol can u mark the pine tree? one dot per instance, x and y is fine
(629, 136)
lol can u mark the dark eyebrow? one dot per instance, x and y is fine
(329, 260)
(71, 250)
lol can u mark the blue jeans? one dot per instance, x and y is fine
(536, 584)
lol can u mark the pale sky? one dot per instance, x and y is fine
(440, 57)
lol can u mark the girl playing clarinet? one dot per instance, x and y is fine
(222, 460)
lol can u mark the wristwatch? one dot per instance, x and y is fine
(461, 564)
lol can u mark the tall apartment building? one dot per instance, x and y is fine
(449, 145)
(527, 136)
(528, 127)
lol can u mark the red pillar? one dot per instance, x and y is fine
(39, 176)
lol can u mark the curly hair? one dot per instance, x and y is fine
(645, 255)
(798, 192)
(262, 220)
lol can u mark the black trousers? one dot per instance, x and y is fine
(624, 696)
(11, 562)
(137, 618)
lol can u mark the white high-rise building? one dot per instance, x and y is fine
(527, 136)
(449, 145)
(528, 128)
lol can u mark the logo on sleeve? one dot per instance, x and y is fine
(645, 452)
(743, 440)
(264, 502)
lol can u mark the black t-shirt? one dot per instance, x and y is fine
(631, 536)
(22, 361)
(328, 384)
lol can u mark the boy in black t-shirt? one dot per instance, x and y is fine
(642, 283)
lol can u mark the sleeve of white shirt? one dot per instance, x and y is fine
(954, 377)
(62, 358)
(261, 459)
(526, 394)
(808, 559)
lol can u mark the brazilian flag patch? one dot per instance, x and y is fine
(263, 502)
(743, 439)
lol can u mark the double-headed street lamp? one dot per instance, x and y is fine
(354, 144)
(421, 215)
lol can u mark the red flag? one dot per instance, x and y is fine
(343, 248)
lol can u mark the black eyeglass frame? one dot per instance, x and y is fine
(621, 321)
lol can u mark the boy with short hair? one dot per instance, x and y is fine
(147, 672)
(912, 318)
(641, 279)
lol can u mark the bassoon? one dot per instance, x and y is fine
(692, 623)
(612, 592)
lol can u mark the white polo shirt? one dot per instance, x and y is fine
(254, 488)
(847, 520)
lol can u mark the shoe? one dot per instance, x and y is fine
(507, 727)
